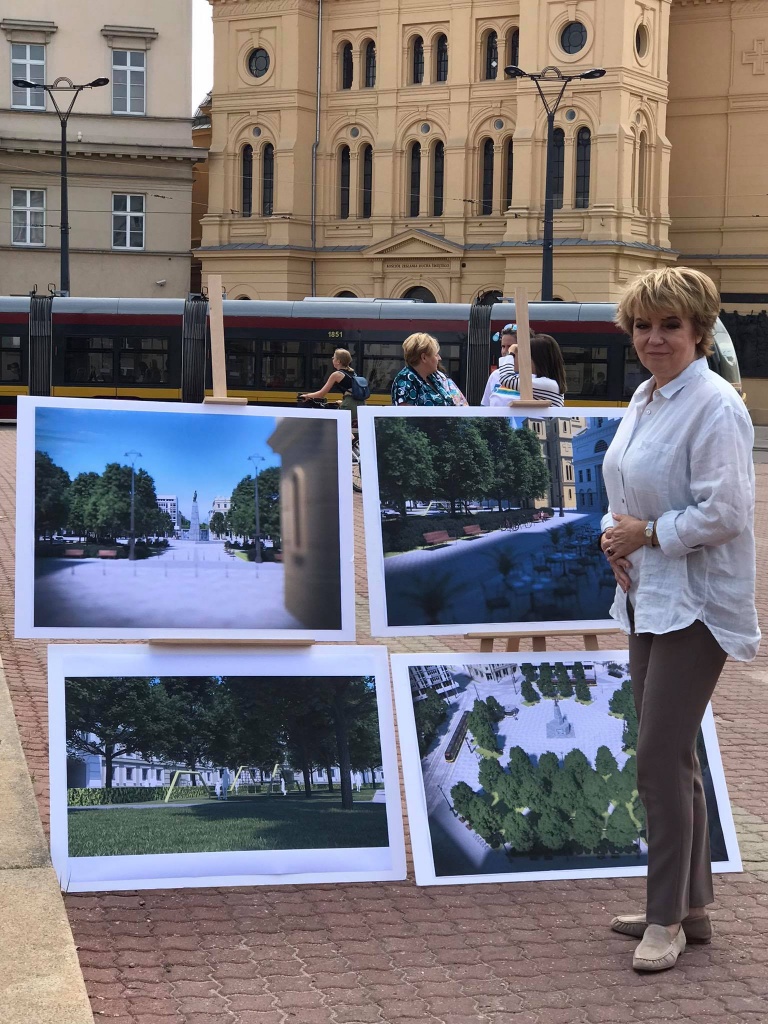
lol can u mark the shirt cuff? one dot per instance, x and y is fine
(606, 521)
(668, 538)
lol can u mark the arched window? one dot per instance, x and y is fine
(344, 165)
(420, 294)
(438, 178)
(441, 66)
(417, 63)
(414, 175)
(486, 180)
(509, 157)
(370, 64)
(513, 47)
(491, 55)
(366, 181)
(347, 68)
(345, 295)
(583, 159)
(246, 204)
(642, 173)
(267, 179)
(558, 172)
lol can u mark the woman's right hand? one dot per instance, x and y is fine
(619, 565)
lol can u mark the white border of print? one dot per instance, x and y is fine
(25, 525)
(418, 820)
(257, 867)
(372, 512)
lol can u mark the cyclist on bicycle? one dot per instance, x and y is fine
(341, 378)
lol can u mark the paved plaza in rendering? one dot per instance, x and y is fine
(520, 953)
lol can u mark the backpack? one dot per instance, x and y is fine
(359, 389)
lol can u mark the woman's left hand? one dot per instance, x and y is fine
(627, 535)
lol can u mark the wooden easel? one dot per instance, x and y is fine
(527, 401)
(218, 359)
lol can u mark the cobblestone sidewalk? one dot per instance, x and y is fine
(526, 953)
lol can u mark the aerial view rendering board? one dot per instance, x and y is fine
(139, 520)
(521, 767)
(175, 768)
(478, 517)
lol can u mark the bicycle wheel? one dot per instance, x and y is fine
(357, 480)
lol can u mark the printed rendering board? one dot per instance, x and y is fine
(485, 517)
(181, 477)
(559, 797)
(248, 728)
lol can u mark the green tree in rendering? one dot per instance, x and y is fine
(404, 462)
(529, 693)
(460, 457)
(489, 773)
(52, 487)
(553, 830)
(587, 828)
(462, 796)
(241, 519)
(583, 692)
(429, 713)
(605, 762)
(518, 832)
(83, 505)
(534, 475)
(218, 524)
(620, 830)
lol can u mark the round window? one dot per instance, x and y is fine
(258, 63)
(425, 129)
(570, 115)
(642, 41)
(573, 37)
(498, 124)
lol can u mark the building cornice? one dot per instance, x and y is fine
(117, 35)
(24, 30)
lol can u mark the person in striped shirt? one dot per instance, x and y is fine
(547, 366)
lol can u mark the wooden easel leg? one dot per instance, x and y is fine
(486, 646)
(513, 644)
(539, 643)
(590, 642)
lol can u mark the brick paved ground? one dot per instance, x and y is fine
(528, 953)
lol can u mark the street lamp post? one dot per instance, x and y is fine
(254, 459)
(555, 75)
(132, 545)
(62, 85)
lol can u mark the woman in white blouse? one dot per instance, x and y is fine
(548, 371)
(679, 537)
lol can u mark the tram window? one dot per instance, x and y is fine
(241, 362)
(88, 360)
(634, 372)
(144, 361)
(10, 359)
(282, 365)
(321, 366)
(586, 370)
(380, 364)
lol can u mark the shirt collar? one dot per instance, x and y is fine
(677, 383)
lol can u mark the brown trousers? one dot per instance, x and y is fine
(673, 677)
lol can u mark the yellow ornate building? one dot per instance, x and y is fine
(404, 163)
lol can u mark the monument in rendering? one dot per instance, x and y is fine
(559, 728)
(194, 520)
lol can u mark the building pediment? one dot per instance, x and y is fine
(413, 244)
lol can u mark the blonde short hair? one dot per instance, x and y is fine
(343, 356)
(417, 345)
(678, 290)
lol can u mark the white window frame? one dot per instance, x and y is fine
(24, 206)
(131, 72)
(33, 71)
(125, 217)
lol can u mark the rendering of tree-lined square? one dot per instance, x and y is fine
(174, 520)
(528, 766)
(212, 764)
(493, 519)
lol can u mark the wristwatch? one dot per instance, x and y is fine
(649, 530)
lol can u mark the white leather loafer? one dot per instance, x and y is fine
(697, 929)
(658, 951)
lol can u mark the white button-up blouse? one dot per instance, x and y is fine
(683, 456)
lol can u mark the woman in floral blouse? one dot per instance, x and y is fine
(421, 382)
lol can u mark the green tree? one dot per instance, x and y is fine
(596, 792)
(404, 463)
(507, 456)
(489, 773)
(52, 487)
(430, 712)
(577, 763)
(620, 830)
(587, 828)
(518, 832)
(83, 504)
(462, 796)
(605, 762)
(548, 687)
(495, 709)
(110, 716)
(583, 692)
(193, 718)
(529, 693)
(553, 830)
(524, 778)
(218, 524)
(485, 819)
(460, 457)
(534, 475)
(547, 769)
(241, 519)
(629, 736)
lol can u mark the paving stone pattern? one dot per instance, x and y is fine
(526, 953)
